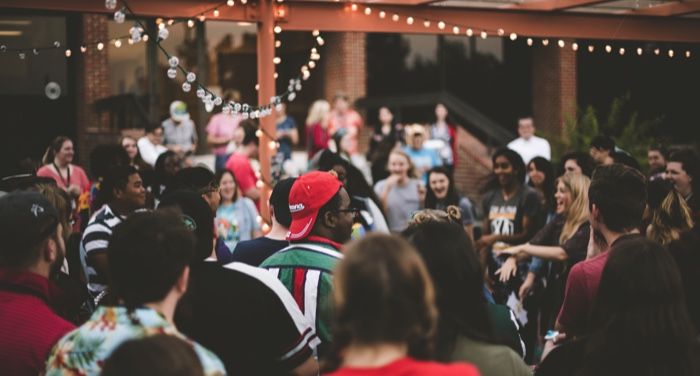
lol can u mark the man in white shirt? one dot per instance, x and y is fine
(150, 145)
(528, 145)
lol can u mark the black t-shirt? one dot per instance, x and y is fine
(255, 251)
(246, 317)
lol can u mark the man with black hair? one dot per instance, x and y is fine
(239, 162)
(31, 252)
(121, 193)
(240, 312)
(151, 145)
(197, 179)
(149, 255)
(657, 155)
(322, 219)
(617, 199)
(602, 150)
(254, 252)
(683, 169)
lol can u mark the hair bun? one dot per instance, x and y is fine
(454, 214)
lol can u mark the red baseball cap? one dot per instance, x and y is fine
(309, 193)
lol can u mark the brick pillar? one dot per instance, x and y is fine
(345, 70)
(474, 167)
(92, 83)
(554, 87)
(345, 66)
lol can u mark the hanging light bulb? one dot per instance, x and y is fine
(191, 77)
(278, 44)
(368, 11)
(117, 43)
(561, 43)
(186, 87)
(545, 42)
(230, 3)
(68, 53)
(119, 16)
(409, 20)
(173, 61)
(312, 64)
(483, 35)
(455, 30)
(441, 25)
(426, 23)
(513, 36)
(216, 13)
(83, 49)
(172, 73)
(276, 60)
(621, 51)
(171, 22)
(639, 51)
(111, 4)
(382, 14)
(315, 33)
(501, 32)
(529, 41)
(320, 41)
(202, 18)
(163, 34)
(100, 46)
(470, 32)
(608, 48)
(145, 38)
(277, 29)
(395, 17)
(574, 46)
(657, 52)
(590, 48)
(353, 7)
(670, 53)
(687, 54)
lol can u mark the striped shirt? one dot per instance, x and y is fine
(95, 240)
(306, 270)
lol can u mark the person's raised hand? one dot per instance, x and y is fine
(507, 270)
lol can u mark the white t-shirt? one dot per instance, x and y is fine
(534, 147)
(150, 152)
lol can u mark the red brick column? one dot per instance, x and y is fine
(553, 86)
(92, 83)
(345, 67)
(345, 70)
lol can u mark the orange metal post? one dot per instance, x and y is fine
(266, 71)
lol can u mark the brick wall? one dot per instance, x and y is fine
(473, 166)
(554, 87)
(92, 83)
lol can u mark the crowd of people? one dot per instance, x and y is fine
(370, 264)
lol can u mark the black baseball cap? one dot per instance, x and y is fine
(26, 219)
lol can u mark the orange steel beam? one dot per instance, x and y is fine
(331, 16)
(676, 8)
(549, 5)
(266, 79)
(334, 17)
(146, 8)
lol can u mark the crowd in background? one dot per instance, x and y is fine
(371, 263)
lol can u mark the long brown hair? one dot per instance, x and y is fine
(383, 294)
(670, 216)
(54, 147)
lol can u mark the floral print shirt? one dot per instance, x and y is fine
(84, 350)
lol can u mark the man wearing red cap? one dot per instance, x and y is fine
(321, 221)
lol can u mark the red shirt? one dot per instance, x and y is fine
(582, 289)
(410, 367)
(242, 170)
(28, 326)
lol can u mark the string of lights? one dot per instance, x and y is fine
(484, 33)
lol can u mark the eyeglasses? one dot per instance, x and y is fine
(355, 211)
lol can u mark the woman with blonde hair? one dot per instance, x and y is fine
(385, 317)
(667, 211)
(563, 242)
(401, 194)
(317, 127)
